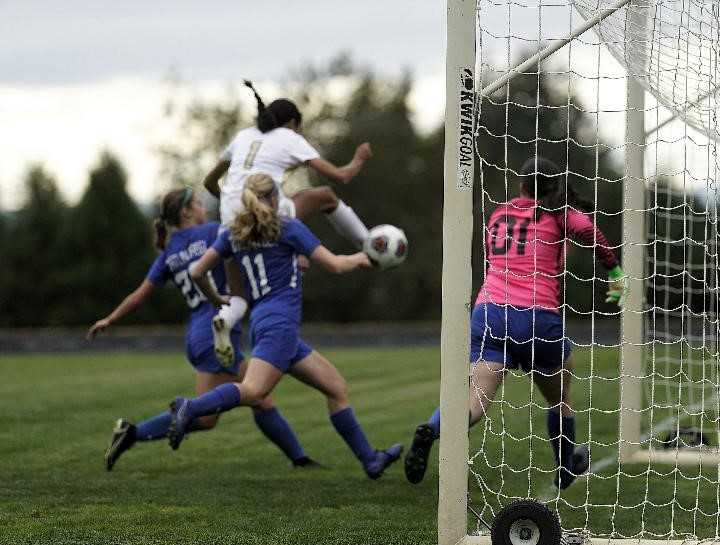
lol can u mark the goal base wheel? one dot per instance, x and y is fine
(526, 522)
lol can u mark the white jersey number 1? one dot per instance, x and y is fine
(252, 153)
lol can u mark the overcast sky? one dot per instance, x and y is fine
(81, 76)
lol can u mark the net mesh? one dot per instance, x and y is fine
(674, 52)
(572, 109)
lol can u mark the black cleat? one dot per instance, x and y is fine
(417, 456)
(306, 462)
(123, 438)
(580, 464)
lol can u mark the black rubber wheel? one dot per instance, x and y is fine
(526, 522)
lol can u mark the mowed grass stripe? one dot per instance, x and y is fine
(231, 486)
(226, 486)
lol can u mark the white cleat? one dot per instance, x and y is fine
(223, 344)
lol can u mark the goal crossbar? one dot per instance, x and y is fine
(540, 56)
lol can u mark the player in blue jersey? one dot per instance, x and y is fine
(266, 246)
(182, 236)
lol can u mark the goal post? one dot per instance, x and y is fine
(459, 165)
(634, 243)
(575, 81)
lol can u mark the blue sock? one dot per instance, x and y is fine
(350, 430)
(218, 400)
(563, 447)
(157, 427)
(277, 429)
(153, 428)
(434, 422)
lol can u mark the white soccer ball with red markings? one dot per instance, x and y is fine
(387, 246)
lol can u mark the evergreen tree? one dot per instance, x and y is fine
(401, 185)
(107, 246)
(31, 286)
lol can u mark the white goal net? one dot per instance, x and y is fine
(628, 112)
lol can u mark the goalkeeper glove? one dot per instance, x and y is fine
(618, 288)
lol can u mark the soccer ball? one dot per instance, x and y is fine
(386, 246)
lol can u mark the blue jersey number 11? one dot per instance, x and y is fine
(258, 284)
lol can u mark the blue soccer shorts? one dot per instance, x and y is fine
(278, 342)
(200, 351)
(524, 339)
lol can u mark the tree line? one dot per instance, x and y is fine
(69, 265)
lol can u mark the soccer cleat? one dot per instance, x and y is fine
(417, 456)
(383, 459)
(180, 421)
(224, 350)
(307, 462)
(580, 462)
(123, 438)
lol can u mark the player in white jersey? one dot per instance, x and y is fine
(276, 147)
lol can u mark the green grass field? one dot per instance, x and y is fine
(231, 486)
(225, 486)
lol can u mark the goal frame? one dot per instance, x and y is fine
(456, 272)
(457, 280)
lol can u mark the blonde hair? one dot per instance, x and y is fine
(259, 223)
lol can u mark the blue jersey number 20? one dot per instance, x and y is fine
(191, 292)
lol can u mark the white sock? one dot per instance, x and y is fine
(346, 222)
(233, 312)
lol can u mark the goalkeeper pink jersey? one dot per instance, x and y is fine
(526, 257)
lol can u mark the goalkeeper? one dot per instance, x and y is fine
(516, 321)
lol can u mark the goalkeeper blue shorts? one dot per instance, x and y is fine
(524, 339)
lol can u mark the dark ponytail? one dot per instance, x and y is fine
(160, 233)
(276, 114)
(553, 193)
(172, 204)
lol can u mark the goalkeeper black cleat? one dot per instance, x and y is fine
(580, 464)
(123, 438)
(306, 462)
(417, 457)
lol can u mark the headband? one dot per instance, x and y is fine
(187, 197)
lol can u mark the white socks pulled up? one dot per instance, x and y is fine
(348, 224)
(233, 312)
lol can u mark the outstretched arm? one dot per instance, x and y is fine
(581, 228)
(339, 264)
(347, 172)
(130, 303)
(212, 180)
(198, 272)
